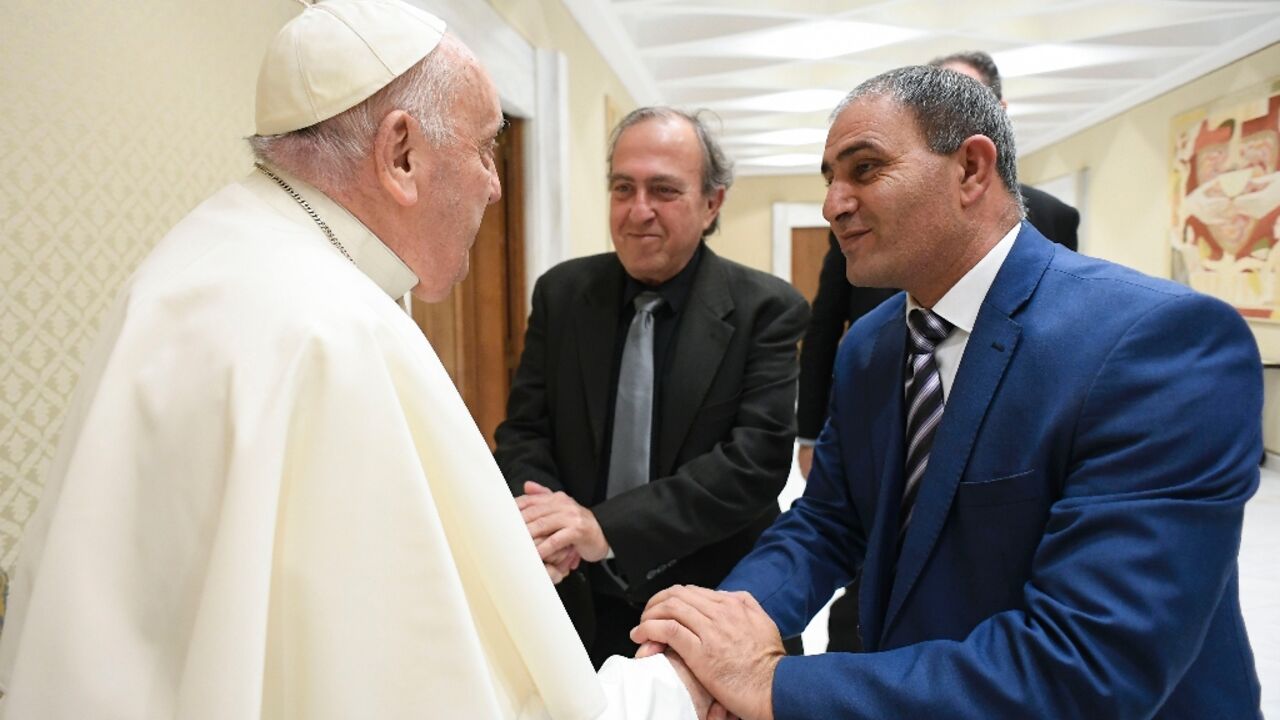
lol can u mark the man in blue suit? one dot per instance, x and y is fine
(1038, 460)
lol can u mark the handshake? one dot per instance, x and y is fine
(722, 645)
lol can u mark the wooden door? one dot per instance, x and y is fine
(478, 331)
(808, 248)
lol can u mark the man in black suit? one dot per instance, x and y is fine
(838, 304)
(718, 398)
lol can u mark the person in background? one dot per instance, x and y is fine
(650, 424)
(1037, 460)
(269, 500)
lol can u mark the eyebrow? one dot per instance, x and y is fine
(672, 179)
(845, 153)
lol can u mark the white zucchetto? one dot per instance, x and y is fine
(335, 55)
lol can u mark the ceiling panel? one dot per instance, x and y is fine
(775, 65)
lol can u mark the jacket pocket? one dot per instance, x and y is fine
(1004, 490)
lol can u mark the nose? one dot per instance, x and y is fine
(640, 210)
(838, 204)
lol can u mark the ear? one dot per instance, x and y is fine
(397, 156)
(714, 201)
(977, 159)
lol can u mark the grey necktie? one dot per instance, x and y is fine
(924, 402)
(633, 407)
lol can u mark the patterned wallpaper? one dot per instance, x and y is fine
(116, 118)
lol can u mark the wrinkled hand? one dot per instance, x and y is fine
(558, 524)
(559, 565)
(560, 569)
(716, 711)
(702, 699)
(726, 639)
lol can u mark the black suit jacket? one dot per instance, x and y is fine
(724, 436)
(838, 305)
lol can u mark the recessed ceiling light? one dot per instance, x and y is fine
(790, 101)
(816, 40)
(787, 160)
(1038, 59)
(792, 136)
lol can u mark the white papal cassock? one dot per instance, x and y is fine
(269, 501)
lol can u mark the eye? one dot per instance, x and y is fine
(488, 152)
(620, 189)
(666, 191)
(863, 169)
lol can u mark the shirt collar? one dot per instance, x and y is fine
(371, 256)
(960, 305)
(675, 291)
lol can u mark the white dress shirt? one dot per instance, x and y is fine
(960, 306)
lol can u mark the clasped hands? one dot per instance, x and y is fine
(564, 532)
(725, 640)
(722, 644)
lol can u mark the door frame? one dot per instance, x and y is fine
(787, 216)
(532, 84)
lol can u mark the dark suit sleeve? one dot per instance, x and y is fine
(524, 437)
(1136, 556)
(818, 354)
(1054, 219)
(722, 491)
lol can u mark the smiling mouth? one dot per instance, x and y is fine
(848, 238)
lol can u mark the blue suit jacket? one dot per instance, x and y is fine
(1073, 548)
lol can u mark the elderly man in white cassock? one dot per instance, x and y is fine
(269, 500)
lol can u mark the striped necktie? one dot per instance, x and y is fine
(925, 331)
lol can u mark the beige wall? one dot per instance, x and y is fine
(1128, 200)
(746, 221)
(116, 118)
(547, 24)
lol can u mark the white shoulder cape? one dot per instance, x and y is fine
(269, 501)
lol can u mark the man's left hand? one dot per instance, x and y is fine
(557, 523)
(726, 639)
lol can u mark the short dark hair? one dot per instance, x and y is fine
(979, 61)
(949, 108)
(717, 168)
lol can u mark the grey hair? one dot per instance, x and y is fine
(949, 107)
(328, 153)
(717, 168)
(981, 62)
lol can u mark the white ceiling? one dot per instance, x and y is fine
(773, 69)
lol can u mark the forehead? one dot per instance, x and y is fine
(478, 105)
(875, 123)
(658, 145)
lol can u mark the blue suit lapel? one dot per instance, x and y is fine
(987, 354)
(884, 399)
